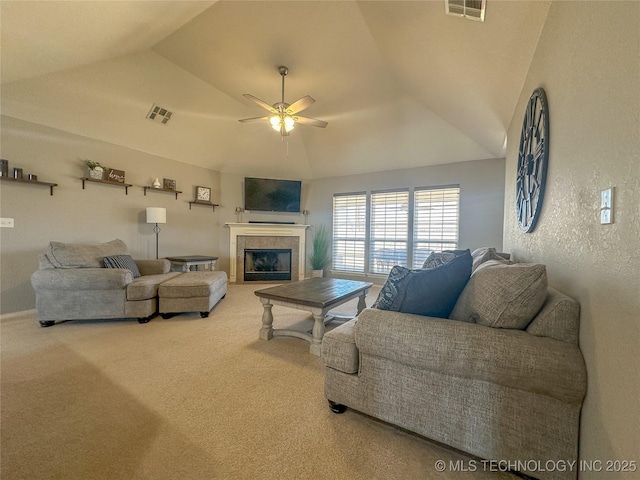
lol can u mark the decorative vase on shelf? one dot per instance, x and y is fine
(156, 183)
(317, 273)
(96, 173)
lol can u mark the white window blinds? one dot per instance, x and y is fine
(389, 230)
(435, 222)
(349, 232)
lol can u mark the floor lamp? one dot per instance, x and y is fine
(156, 215)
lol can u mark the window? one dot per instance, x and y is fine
(374, 231)
(349, 231)
(435, 222)
(388, 231)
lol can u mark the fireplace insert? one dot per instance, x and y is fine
(261, 264)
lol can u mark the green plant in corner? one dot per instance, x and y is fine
(319, 257)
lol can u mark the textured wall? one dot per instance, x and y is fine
(588, 62)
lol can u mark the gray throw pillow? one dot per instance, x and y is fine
(484, 254)
(503, 296)
(122, 261)
(431, 292)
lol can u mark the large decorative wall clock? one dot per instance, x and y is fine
(533, 157)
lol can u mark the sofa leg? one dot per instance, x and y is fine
(47, 323)
(145, 319)
(204, 314)
(337, 407)
(168, 315)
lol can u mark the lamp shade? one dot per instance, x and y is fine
(156, 215)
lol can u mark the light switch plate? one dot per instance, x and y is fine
(6, 222)
(606, 206)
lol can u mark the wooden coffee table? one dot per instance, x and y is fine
(315, 295)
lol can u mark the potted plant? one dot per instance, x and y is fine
(96, 171)
(319, 257)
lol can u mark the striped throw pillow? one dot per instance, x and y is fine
(122, 261)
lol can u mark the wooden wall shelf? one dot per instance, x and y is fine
(166, 190)
(206, 204)
(32, 182)
(107, 182)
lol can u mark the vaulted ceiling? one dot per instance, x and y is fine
(400, 83)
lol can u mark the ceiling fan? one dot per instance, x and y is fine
(283, 116)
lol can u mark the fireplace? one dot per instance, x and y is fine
(268, 236)
(264, 264)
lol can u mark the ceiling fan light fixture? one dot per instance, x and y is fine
(288, 123)
(278, 121)
(283, 115)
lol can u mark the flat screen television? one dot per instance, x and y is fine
(271, 195)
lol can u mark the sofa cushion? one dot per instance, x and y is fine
(153, 267)
(122, 261)
(504, 296)
(484, 254)
(146, 286)
(339, 349)
(70, 255)
(193, 284)
(432, 292)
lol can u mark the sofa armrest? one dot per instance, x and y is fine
(512, 358)
(153, 267)
(81, 279)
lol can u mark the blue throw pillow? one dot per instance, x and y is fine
(392, 287)
(122, 261)
(432, 292)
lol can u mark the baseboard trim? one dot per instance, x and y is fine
(9, 316)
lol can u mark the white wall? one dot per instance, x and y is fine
(98, 213)
(588, 62)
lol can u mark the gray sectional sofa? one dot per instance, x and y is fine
(72, 283)
(502, 378)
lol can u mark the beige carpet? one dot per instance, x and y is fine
(189, 398)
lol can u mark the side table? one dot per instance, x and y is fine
(184, 263)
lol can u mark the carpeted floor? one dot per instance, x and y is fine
(189, 398)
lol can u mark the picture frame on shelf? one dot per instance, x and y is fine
(203, 194)
(168, 184)
(115, 175)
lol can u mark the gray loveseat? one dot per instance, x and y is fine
(73, 284)
(474, 381)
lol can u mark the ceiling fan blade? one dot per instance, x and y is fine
(310, 121)
(253, 119)
(300, 105)
(264, 105)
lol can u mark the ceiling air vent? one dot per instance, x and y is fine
(159, 114)
(472, 9)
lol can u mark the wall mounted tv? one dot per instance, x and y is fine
(270, 195)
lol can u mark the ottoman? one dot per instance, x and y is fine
(192, 292)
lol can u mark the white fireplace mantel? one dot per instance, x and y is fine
(265, 230)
